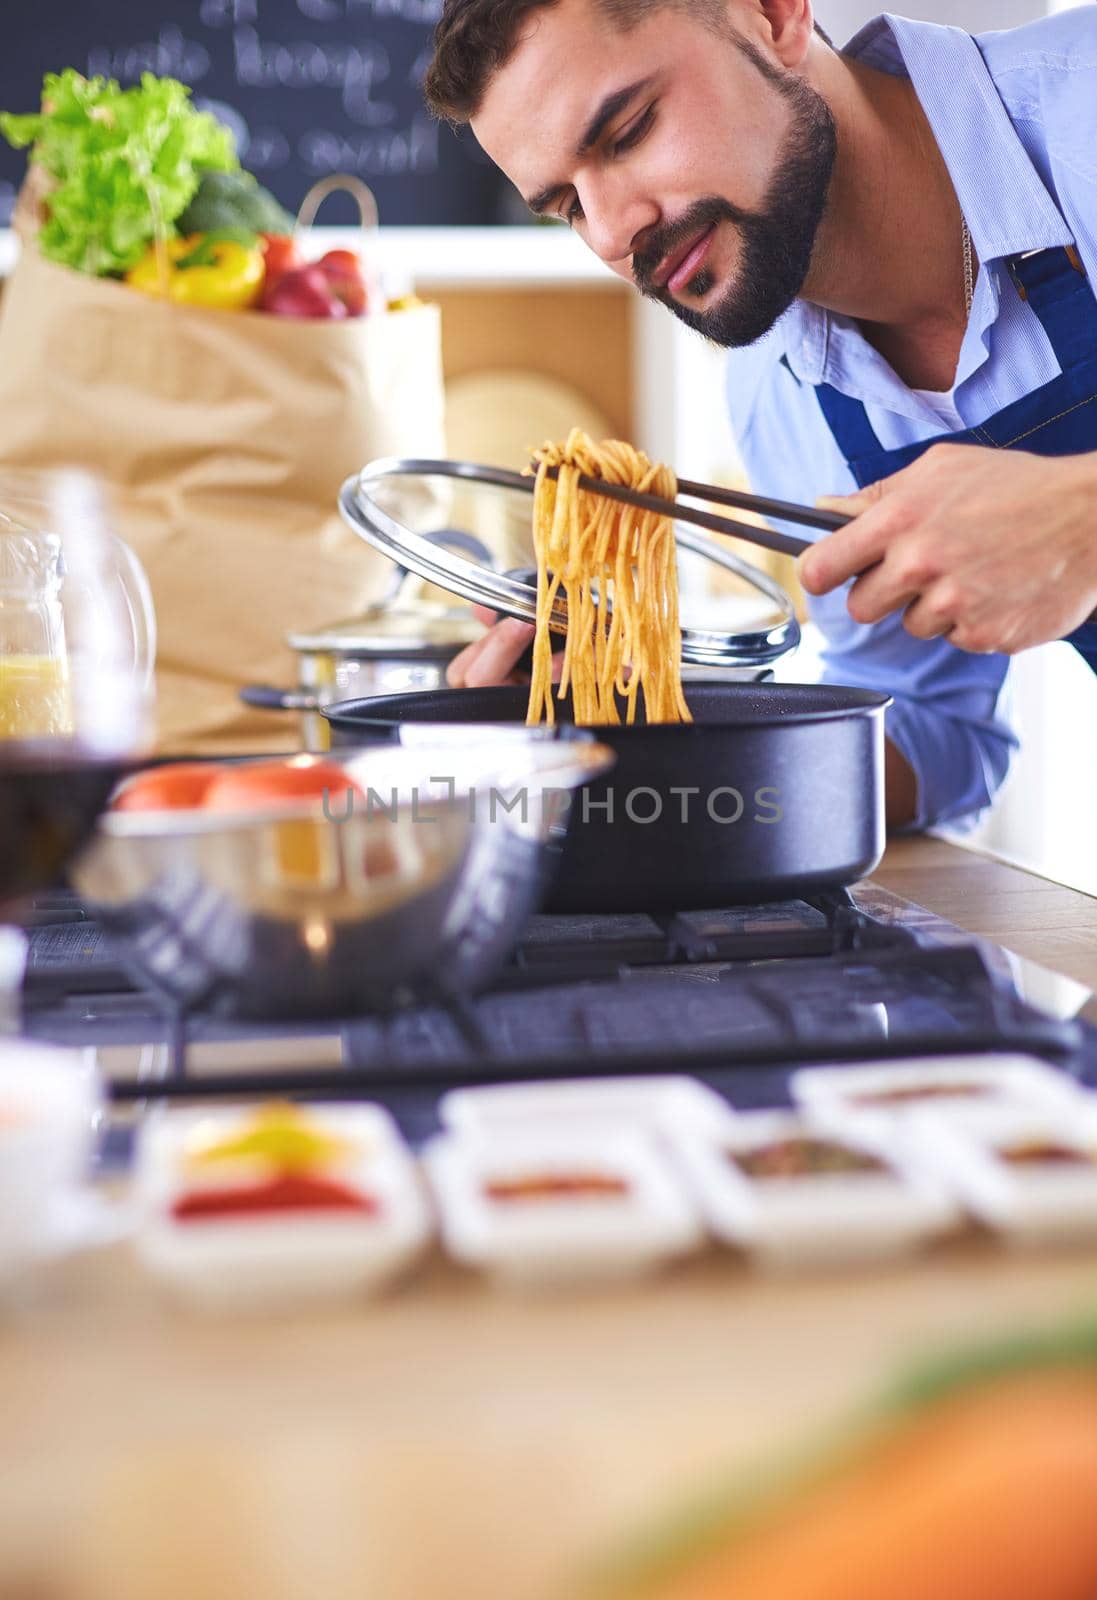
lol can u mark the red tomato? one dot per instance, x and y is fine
(260, 785)
(177, 786)
(341, 263)
(281, 255)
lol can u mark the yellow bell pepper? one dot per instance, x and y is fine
(202, 270)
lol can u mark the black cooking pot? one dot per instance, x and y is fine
(773, 791)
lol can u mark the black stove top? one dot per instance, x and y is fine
(738, 996)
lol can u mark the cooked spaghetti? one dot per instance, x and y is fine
(617, 567)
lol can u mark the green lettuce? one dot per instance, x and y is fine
(126, 163)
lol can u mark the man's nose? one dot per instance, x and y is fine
(616, 220)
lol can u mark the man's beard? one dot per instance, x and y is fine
(775, 242)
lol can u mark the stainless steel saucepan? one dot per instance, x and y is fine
(401, 645)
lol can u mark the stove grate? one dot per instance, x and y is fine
(813, 980)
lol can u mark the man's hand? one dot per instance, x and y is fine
(992, 549)
(494, 658)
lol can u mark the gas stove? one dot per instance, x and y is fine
(739, 997)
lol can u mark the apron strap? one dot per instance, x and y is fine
(1055, 284)
(1084, 640)
(848, 421)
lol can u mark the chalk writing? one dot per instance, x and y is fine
(227, 13)
(352, 70)
(393, 154)
(169, 55)
(307, 87)
(359, 10)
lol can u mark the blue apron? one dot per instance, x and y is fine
(1058, 419)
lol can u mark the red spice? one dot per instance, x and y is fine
(922, 1091)
(1037, 1152)
(291, 1191)
(556, 1186)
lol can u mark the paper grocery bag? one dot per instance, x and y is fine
(224, 437)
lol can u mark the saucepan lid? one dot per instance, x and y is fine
(402, 625)
(726, 631)
(427, 631)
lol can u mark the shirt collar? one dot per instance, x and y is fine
(1013, 214)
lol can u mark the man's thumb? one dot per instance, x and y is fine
(854, 504)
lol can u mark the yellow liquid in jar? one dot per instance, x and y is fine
(35, 701)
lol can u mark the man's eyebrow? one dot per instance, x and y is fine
(611, 106)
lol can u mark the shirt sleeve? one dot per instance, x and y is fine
(950, 715)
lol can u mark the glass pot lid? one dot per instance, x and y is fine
(383, 502)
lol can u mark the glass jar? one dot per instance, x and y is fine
(77, 628)
(35, 700)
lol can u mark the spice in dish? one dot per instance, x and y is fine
(1046, 1152)
(556, 1186)
(902, 1094)
(280, 1135)
(288, 1192)
(803, 1156)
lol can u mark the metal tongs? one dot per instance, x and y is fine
(783, 510)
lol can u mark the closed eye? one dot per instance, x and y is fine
(628, 140)
(634, 132)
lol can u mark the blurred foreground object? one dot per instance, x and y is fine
(980, 1483)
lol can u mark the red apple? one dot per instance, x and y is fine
(343, 270)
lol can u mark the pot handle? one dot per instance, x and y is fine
(264, 697)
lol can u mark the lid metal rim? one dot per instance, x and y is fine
(499, 592)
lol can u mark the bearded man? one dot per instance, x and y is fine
(896, 243)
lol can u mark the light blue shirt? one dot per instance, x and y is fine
(998, 106)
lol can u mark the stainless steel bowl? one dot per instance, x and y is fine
(419, 889)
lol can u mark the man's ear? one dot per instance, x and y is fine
(790, 28)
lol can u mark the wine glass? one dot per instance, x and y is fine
(77, 645)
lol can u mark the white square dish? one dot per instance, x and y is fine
(610, 1104)
(560, 1206)
(278, 1258)
(883, 1095)
(796, 1194)
(1030, 1175)
(50, 1102)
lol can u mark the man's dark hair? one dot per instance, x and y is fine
(474, 38)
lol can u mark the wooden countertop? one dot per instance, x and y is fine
(451, 1440)
(1031, 916)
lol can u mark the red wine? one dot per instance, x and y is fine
(49, 800)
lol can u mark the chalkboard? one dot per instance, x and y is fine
(309, 87)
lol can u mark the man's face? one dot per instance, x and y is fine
(695, 167)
